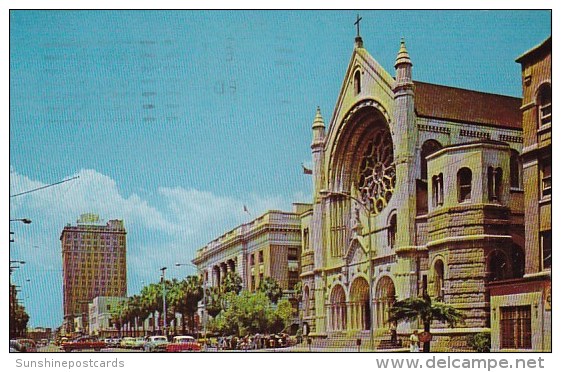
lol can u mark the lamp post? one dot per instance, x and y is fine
(368, 210)
(163, 270)
(204, 294)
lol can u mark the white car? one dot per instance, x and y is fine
(156, 343)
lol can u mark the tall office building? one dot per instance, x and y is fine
(94, 263)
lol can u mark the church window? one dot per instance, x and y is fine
(356, 81)
(392, 229)
(545, 172)
(545, 245)
(544, 105)
(377, 172)
(497, 266)
(515, 169)
(518, 261)
(494, 183)
(439, 280)
(464, 185)
(428, 148)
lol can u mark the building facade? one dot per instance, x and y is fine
(99, 319)
(268, 246)
(94, 259)
(521, 308)
(417, 187)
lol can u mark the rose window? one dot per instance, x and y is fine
(377, 172)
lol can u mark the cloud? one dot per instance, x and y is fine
(168, 229)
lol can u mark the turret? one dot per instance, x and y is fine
(403, 67)
(405, 141)
(318, 129)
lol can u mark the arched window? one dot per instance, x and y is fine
(428, 148)
(497, 266)
(435, 189)
(439, 280)
(544, 105)
(438, 190)
(306, 301)
(494, 183)
(515, 169)
(518, 261)
(464, 185)
(392, 229)
(356, 81)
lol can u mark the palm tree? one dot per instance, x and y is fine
(426, 311)
(151, 297)
(271, 288)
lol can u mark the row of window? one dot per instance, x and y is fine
(252, 258)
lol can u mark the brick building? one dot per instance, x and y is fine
(94, 263)
(521, 308)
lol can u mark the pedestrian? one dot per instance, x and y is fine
(414, 342)
(393, 333)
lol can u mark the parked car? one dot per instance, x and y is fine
(183, 344)
(30, 345)
(83, 343)
(127, 342)
(138, 343)
(17, 347)
(112, 342)
(156, 343)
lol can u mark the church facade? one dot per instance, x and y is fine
(417, 187)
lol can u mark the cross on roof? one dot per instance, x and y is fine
(357, 23)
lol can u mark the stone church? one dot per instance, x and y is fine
(417, 187)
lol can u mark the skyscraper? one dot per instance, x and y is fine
(94, 263)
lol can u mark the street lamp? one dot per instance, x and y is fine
(26, 221)
(327, 193)
(163, 270)
(204, 293)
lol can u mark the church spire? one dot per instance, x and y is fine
(403, 68)
(402, 55)
(318, 120)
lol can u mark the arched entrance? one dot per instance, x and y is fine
(338, 309)
(359, 309)
(385, 297)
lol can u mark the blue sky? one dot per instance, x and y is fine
(175, 119)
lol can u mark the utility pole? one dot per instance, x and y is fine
(163, 269)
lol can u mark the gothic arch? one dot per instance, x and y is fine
(497, 265)
(338, 309)
(359, 307)
(384, 299)
(356, 131)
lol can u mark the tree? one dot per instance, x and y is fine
(213, 301)
(151, 296)
(426, 311)
(184, 296)
(271, 288)
(232, 283)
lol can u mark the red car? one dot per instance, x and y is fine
(183, 344)
(83, 343)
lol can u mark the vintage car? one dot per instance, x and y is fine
(156, 343)
(83, 343)
(30, 345)
(127, 342)
(183, 344)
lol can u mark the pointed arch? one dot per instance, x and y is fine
(359, 307)
(338, 309)
(385, 297)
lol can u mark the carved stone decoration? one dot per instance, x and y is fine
(377, 172)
